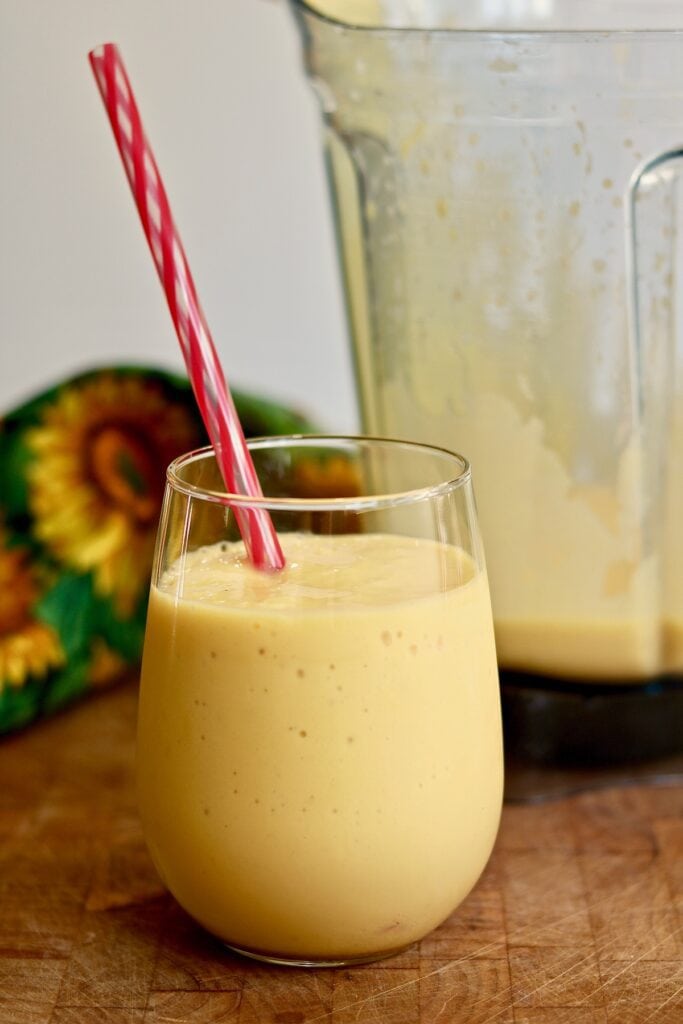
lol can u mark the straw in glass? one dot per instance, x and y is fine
(201, 359)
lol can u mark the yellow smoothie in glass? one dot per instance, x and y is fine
(320, 759)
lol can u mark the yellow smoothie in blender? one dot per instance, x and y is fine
(320, 766)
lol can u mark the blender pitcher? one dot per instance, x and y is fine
(504, 179)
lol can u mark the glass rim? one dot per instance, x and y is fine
(361, 503)
(594, 34)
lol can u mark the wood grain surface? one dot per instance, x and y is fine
(578, 918)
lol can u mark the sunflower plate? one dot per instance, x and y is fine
(82, 471)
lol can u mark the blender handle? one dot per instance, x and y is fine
(647, 180)
(651, 262)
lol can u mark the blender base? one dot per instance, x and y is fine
(562, 736)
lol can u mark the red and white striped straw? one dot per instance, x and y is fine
(203, 366)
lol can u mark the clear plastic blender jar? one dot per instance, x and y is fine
(505, 185)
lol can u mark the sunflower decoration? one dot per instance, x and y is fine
(96, 478)
(82, 469)
(28, 647)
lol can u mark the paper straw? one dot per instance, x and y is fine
(201, 359)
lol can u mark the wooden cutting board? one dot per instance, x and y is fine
(578, 918)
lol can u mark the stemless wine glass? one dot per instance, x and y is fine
(319, 750)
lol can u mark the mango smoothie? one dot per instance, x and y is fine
(320, 759)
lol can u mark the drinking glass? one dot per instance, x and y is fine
(319, 750)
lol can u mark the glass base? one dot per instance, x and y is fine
(296, 961)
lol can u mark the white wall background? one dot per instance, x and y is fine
(235, 129)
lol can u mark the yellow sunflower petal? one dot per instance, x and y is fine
(96, 478)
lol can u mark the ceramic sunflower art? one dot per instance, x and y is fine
(82, 472)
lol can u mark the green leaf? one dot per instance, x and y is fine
(14, 461)
(19, 705)
(65, 686)
(261, 416)
(125, 636)
(69, 608)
